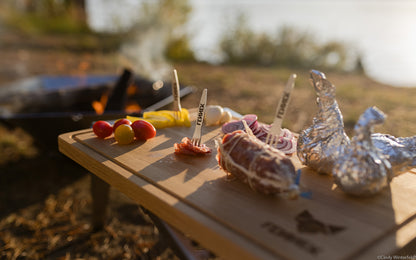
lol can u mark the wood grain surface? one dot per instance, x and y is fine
(194, 195)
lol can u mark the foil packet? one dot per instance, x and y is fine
(401, 151)
(319, 145)
(362, 169)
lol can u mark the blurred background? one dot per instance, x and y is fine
(242, 51)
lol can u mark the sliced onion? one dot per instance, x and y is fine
(264, 127)
(232, 126)
(262, 136)
(286, 133)
(286, 145)
(255, 128)
(250, 119)
(262, 131)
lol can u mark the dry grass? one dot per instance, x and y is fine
(58, 227)
(15, 145)
(257, 90)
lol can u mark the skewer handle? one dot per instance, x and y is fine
(201, 115)
(175, 92)
(282, 107)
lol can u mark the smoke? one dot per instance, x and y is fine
(159, 22)
(145, 53)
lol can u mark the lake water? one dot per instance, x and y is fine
(384, 32)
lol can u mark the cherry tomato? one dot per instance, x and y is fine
(102, 129)
(143, 130)
(124, 134)
(123, 121)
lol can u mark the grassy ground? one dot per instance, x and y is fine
(257, 90)
(44, 197)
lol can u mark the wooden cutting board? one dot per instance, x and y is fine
(193, 194)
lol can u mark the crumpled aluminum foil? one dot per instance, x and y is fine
(401, 151)
(319, 145)
(363, 169)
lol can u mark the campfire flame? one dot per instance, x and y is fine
(99, 106)
(131, 105)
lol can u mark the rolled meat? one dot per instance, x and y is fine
(266, 169)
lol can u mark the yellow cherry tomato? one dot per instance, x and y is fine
(124, 134)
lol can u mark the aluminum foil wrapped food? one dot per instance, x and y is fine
(362, 169)
(319, 145)
(401, 151)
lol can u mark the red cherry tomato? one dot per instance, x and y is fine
(123, 121)
(102, 129)
(143, 130)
